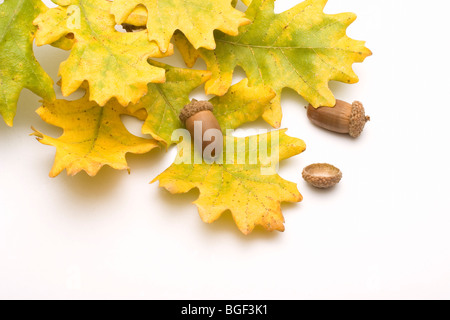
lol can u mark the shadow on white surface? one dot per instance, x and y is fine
(88, 188)
(225, 225)
(142, 163)
(342, 90)
(320, 192)
(107, 181)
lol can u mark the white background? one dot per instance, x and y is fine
(382, 233)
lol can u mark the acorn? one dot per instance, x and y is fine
(201, 111)
(322, 175)
(342, 118)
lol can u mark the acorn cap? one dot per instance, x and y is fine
(358, 119)
(322, 175)
(193, 108)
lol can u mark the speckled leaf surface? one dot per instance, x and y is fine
(93, 136)
(197, 19)
(241, 104)
(165, 101)
(18, 66)
(113, 63)
(301, 48)
(252, 197)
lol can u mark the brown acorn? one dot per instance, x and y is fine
(201, 111)
(322, 175)
(343, 118)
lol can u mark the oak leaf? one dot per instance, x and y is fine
(253, 196)
(246, 2)
(18, 66)
(93, 136)
(241, 104)
(197, 19)
(302, 48)
(114, 63)
(165, 101)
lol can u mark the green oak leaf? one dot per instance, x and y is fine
(18, 66)
(302, 48)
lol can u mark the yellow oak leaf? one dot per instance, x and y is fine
(165, 101)
(197, 19)
(252, 192)
(65, 43)
(138, 17)
(302, 48)
(241, 104)
(18, 66)
(189, 53)
(93, 136)
(114, 63)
